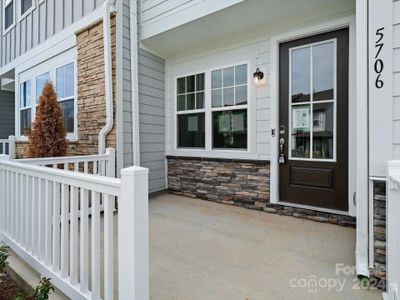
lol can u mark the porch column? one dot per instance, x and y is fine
(133, 234)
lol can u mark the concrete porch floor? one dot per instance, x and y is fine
(201, 250)
(204, 250)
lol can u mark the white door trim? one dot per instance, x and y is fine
(339, 23)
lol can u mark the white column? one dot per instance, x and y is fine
(393, 230)
(110, 166)
(133, 234)
(11, 146)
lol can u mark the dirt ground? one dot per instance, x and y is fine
(8, 288)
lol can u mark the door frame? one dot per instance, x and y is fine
(319, 28)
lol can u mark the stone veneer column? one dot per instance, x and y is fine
(379, 233)
(91, 92)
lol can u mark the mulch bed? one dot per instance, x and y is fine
(8, 289)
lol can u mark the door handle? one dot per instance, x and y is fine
(282, 151)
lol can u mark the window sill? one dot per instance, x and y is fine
(25, 14)
(223, 153)
(5, 31)
(73, 138)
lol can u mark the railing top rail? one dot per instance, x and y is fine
(107, 185)
(4, 140)
(393, 170)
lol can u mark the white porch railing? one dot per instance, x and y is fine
(99, 164)
(44, 218)
(393, 230)
(7, 146)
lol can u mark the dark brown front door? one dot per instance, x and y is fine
(313, 112)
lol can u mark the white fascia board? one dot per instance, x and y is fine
(195, 11)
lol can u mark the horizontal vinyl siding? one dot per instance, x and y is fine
(152, 117)
(127, 87)
(396, 79)
(161, 15)
(156, 9)
(7, 115)
(47, 19)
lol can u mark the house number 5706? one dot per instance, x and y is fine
(378, 65)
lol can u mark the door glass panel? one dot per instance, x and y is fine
(323, 71)
(323, 130)
(300, 131)
(301, 75)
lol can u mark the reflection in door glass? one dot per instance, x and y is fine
(323, 71)
(300, 142)
(323, 131)
(301, 73)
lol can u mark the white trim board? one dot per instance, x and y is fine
(300, 33)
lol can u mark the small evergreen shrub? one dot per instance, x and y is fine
(48, 135)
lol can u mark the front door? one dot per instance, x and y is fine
(313, 116)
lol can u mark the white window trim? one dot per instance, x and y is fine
(51, 67)
(208, 150)
(22, 16)
(5, 4)
(311, 102)
(192, 111)
(25, 107)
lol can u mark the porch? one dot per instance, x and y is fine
(197, 248)
(205, 250)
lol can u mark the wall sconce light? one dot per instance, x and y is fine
(258, 75)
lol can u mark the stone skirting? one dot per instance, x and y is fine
(244, 183)
(379, 271)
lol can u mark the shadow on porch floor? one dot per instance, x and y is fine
(204, 250)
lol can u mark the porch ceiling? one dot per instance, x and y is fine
(243, 21)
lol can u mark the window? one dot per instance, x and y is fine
(60, 70)
(65, 86)
(40, 82)
(190, 109)
(25, 6)
(229, 107)
(312, 102)
(8, 14)
(25, 107)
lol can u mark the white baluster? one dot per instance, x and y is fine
(56, 225)
(95, 245)
(74, 236)
(108, 247)
(48, 221)
(84, 263)
(64, 230)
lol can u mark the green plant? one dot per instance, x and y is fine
(19, 297)
(43, 291)
(4, 255)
